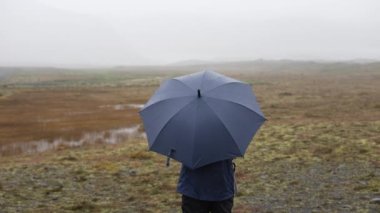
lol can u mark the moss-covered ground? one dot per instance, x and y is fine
(318, 152)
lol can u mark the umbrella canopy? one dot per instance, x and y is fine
(201, 118)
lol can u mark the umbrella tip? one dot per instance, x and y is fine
(199, 93)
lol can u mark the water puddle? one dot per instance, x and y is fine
(112, 136)
(118, 107)
(136, 106)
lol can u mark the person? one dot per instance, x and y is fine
(210, 188)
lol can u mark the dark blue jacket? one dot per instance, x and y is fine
(213, 182)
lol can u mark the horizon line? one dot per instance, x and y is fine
(189, 62)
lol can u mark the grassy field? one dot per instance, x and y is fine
(319, 151)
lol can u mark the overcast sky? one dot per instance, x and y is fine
(126, 32)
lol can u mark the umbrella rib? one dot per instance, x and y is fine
(234, 82)
(203, 79)
(183, 83)
(167, 122)
(217, 116)
(193, 135)
(219, 99)
(166, 99)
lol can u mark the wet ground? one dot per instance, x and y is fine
(318, 152)
(112, 136)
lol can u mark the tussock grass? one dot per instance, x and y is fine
(287, 168)
(318, 152)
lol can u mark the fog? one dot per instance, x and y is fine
(149, 32)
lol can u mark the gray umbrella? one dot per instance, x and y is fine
(201, 118)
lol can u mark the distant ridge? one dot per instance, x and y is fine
(195, 62)
(259, 65)
(285, 65)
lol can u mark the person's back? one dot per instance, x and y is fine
(208, 188)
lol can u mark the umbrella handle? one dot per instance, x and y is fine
(168, 159)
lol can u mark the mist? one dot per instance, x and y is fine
(148, 32)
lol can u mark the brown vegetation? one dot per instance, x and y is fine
(35, 114)
(318, 152)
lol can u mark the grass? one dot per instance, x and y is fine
(318, 152)
(288, 168)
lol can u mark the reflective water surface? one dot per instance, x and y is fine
(112, 136)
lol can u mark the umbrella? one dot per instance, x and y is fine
(201, 118)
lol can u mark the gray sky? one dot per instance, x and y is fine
(126, 32)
